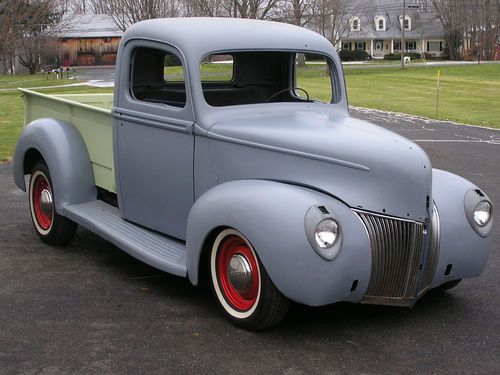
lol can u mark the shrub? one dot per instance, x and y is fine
(355, 55)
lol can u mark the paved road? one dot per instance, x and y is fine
(90, 308)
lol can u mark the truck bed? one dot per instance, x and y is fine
(91, 115)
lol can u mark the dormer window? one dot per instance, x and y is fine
(407, 22)
(355, 24)
(379, 23)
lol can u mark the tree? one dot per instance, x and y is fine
(473, 25)
(331, 18)
(257, 9)
(29, 27)
(128, 12)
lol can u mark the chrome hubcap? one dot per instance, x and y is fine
(240, 273)
(46, 203)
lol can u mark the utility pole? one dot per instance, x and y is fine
(403, 36)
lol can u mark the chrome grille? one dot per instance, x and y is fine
(397, 250)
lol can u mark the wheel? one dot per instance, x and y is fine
(448, 285)
(242, 286)
(51, 227)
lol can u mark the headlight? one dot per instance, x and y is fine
(479, 212)
(326, 233)
(323, 232)
(482, 213)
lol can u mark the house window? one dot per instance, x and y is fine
(355, 24)
(346, 45)
(380, 23)
(406, 22)
(411, 45)
(397, 45)
(434, 46)
(360, 45)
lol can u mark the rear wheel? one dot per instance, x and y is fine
(242, 286)
(51, 227)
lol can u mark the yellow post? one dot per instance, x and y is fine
(437, 93)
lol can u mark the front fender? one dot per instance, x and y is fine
(63, 149)
(460, 247)
(271, 215)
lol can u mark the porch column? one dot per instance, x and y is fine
(392, 45)
(371, 47)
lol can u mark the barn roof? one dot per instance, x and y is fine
(90, 26)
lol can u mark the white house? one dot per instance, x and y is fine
(377, 25)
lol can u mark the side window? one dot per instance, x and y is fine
(313, 78)
(158, 77)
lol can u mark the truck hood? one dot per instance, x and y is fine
(364, 165)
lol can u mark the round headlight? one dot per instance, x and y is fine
(482, 213)
(326, 233)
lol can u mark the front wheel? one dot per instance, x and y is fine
(51, 227)
(242, 286)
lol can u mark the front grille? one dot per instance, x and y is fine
(397, 252)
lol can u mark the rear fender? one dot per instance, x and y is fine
(61, 146)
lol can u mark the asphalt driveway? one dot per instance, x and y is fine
(90, 308)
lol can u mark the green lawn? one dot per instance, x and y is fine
(12, 106)
(468, 94)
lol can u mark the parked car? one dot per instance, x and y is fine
(218, 152)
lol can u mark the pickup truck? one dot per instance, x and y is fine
(220, 155)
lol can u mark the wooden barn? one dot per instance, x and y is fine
(88, 40)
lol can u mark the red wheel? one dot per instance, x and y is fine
(51, 227)
(241, 285)
(42, 202)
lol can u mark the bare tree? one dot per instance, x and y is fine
(257, 9)
(331, 18)
(482, 26)
(28, 28)
(128, 12)
(473, 25)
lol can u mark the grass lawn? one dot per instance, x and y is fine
(12, 106)
(468, 93)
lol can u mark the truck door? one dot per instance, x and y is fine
(153, 140)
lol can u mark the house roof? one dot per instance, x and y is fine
(423, 25)
(89, 26)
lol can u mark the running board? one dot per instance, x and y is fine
(158, 251)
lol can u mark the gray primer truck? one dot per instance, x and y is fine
(216, 154)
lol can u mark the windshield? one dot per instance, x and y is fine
(237, 78)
